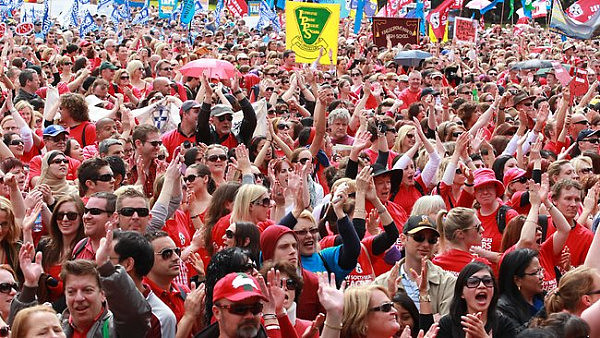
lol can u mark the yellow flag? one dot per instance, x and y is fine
(310, 27)
(432, 36)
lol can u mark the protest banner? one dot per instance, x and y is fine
(580, 85)
(561, 73)
(310, 27)
(465, 30)
(583, 10)
(24, 28)
(187, 11)
(438, 20)
(565, 25)
(2, 29)
(253, 8)
(166, 8)
(237, 7)
(400, 31)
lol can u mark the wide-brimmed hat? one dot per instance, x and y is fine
(395, 175)
(513, 174)
(522, 96)
(485, 176)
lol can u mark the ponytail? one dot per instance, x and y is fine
(440, 218)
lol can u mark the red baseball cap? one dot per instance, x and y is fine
(237, 286)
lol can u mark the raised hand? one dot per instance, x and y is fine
(31, 216)
(473, 326)
(194, 301)
(243, 159)
(394, 279)
(330, 296)
(361, 141)
(32, 269)
(534, 194)
(103, 252)
(421, 279)
(373, 222)
(363, 179)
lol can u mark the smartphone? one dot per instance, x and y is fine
(382, 128)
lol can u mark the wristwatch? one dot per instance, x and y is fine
(424, 298)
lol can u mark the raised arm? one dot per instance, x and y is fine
(320, 124)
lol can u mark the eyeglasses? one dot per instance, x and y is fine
(282, 111)
(585, 122)
(477, 227)
(242, 309)
(355, 74)
(458, 171)
(59, 161)
(464, 93)
(229, 234)
(538, 272)
(521, 179)
(312, 231)
(155, 143)
(94, 211)
(168, 69)
(4, 331)
(473, 282)
(272, 74)
(527, 104)
(283, 126)
(270, 89)
(128, 212)
(161, 157)
(385, 307)
(124, 77)
(420, 238)
(6, 287)
(214, 158)
(592, 140)
(265, 202)
(410, 135)
(227, 117)
(104, 178)
(71, 216)
(167, 253)
(16, 143)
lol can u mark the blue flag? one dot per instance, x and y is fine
(87, 25)
(142, 17)
(188, 9)
(125, 12)
(265, 14)
(218, 10)
(420, 14)
(74, 14)
(360, 8)
(491, 6)
(46, 23)
(198, 6)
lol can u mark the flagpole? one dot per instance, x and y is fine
(502, 13)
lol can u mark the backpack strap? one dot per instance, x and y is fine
(325, 263)
(182, 292)
(79, 248)
(543, 222)
(83, 135)
(501, 217)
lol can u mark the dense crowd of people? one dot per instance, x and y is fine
(365, 198)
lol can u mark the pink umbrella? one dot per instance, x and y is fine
(213, 68)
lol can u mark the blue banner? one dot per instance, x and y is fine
(218, 10)
(166, 8)
(187, 11)
(360, 7)
(141, 17)
(46, 22)
(74, 14)
(87, 25)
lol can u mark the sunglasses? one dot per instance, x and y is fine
(592, 140)
(265, 202)
(385, 307)
(473, 282)
(60, 160)
(243, 309)
(214, 158)
(290, 284)
(458, 171)
(168, 252)
(128, 212)
(313, 231)
(94, 211)
(282, 111)
(464, 93)
(420, 238)
(586, 122)
(16, 143)
(161, 157)
(527, 104)
(104, 178)
(155, 143)
(270, 89)
(124, 77)
(168, 69)
(191, 178)
(4, 331)
(283, 126)
(6, 287)
(227, 117)
(521, 179)
(229, 234)
(71, 216)
(306, 159)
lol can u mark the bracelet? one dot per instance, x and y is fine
(237, 92)
(425, 298)
(272, 327)
(337, 327)
(468, 184)
(195, 216)
(360, 211)
(268, 316)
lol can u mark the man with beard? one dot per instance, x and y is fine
(237, 308)
(146, 140)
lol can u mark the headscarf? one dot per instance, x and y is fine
(59, 186)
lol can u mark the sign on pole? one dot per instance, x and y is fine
(400, 31)
(465, 30)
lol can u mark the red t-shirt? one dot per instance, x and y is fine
(445, 191)
(409, 97)
(173, 139)
(408, 195)
(84, 133)
(173, 297)
(454, 260)
(373, 156)
(579, 241)
(547, 261)
(491, 239)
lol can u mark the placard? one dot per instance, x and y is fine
(253, 8)
(400, 31)
(24, 28)
(310, 27)
(580, 85)
(465, 30)
(2, 29)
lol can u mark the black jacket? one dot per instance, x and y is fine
(212, 331)
(206, 134)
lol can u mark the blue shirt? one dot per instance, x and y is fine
(331, 255)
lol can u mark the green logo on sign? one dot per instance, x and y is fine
(311, 22)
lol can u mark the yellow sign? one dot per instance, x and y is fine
(310, 27)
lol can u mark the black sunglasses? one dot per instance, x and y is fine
(306, 159)
(6, 287)
(71, 216)
(304, 232)
(155, 143)
(420, 238)
(227, 117)
(229, 234)
(128, 211)
(283, 126)
(385, 307)
(168, 252)
(473, 282)
(4, 331)
(456, 133)
(191, 178)
(521, 179)
(60, 160)
(214, 158)
(265, 202)
(592, 140)
(243, 309)
(94, 211)
(16, 143)
(104, 178)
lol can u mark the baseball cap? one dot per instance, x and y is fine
(586, 133)
(189, 104)
(418, 223)
(220, 110)
(108, 65)
(427, 91)
(435, 74)
(84, 43)
(54, 130)
(237, 286)
(403, 77)
(242, 56)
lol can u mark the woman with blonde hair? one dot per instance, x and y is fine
(64, 66)
(136, 71)
(123, 81)
(215, 159)
(459, 229)
(583, 167)
(10, 233)
(406, 138)
(428, 205)
(37, 321)
(577, 290)
(368, 312)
